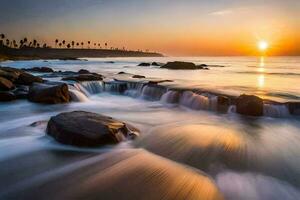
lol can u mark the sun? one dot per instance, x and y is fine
(263, 45)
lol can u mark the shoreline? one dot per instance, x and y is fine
(28, 53)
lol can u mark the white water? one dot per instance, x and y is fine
(186, 151)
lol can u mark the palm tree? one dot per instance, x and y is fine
(44, 45)
(89, 42)
(2, 36)
(56, 42)
(34, 43)
(73, 43)
(7, 42)
(21, 43)
(64, 42)
(38, 45)
(60, 44)
(77, 44)
(82, 45)
(99, 45)
(68, 46)
(25, 41)
(105, 45)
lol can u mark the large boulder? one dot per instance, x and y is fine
(49, 94)
(81, 128)
(7, 96)
(182, 65)
(249, 105)
(84, 71)
(84, 77)
(28, 79)
(223, 103)
(6, 84)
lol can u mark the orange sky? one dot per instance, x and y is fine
(178, 28)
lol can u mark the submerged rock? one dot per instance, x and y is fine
(81, 128)
(249, 105)
(223, 104)
(138, 76)
(294, 108)
(155, 64)
(84, 77)
(144, 64)
(39, 69)
(6, 84)
(7, 96)
(50, 94)
(84, 71)
(182, 65)
(28, 79)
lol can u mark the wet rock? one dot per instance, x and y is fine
(110, 62)
(83, 71)
(144, 64)
(294, 108)
(155, 64)
(181, 65)
(49, 94)
(6, 84)
(84, 77)
(28, 79)
(81, 128)
(10, 73)
(39, 69)
(7, 96)
(138, 76)
(249, 105)
(21, 92)
(223, 104)
(121, 73)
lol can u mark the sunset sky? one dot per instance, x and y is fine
(173, 27)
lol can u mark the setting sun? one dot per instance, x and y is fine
(263, 45)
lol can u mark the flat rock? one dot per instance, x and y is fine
(49, 94)
(81, 128)
(84, 77)
(39, 69)
(144, 64)
(28, 79)
(182, 65)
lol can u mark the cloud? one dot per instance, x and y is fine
(221, 12)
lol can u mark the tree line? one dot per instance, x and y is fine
(26, 43)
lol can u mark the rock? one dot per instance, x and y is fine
(144, 64)
(110, 62)
(39, 69)
(138, 76)
(7, 96)
(84, 77)
(121, 73)
(223, 104)
(10, 73)
(181, 65)
(21, 92)
(83, 71)
(81, 128)
(294, 108)
(155, 64)
(249, 105)
(49, 94)
(28, 79)
(6, 84)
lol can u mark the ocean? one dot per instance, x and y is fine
(185, 151)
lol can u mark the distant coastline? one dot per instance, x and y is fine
(28, 53)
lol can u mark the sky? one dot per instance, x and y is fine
(172, 27)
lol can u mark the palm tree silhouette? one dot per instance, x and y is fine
(105, 45)
(56, 42)
(34, 43)
(25, 41)
(89, 42)
(77, 44)
(99, 45)
(60, 44)
(68, 46)
(64, 42)
(73, 43)
(7, 42)
(82, 45)
(21, 43)
(2, 36)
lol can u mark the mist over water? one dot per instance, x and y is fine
(186, 151)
